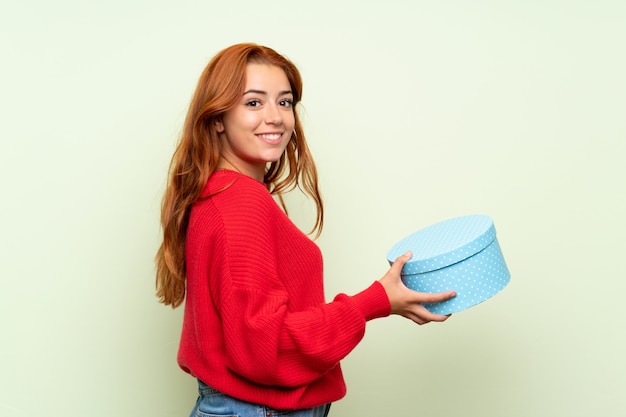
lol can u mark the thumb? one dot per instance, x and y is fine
(400, 262)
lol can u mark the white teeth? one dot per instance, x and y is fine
(273, 136)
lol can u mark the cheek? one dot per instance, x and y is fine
(290, 121)
(240, 121)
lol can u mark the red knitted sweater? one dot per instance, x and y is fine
(256, 325)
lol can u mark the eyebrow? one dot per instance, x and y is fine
(282, 93)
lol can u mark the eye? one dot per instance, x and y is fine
(253, 103)
(288, 102)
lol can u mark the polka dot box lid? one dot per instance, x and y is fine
(460, 254)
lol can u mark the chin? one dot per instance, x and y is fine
(272, 157)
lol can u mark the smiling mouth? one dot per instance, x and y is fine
(270, 137)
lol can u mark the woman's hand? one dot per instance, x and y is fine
(406, 302)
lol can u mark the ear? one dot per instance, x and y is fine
(219, 125)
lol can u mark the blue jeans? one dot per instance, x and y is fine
(213, 403)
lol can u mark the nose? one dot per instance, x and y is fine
(273, 115)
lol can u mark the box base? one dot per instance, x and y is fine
(474, 279)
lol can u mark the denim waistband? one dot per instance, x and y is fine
(205, 389)
(253, 409)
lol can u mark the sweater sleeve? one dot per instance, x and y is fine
(266, 340)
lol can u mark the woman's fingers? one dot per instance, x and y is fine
(407, 302)
(426, 297)
(400, 261)
(421, 315)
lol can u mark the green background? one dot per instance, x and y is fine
(416, 111)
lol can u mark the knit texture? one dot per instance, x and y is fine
(256, 325)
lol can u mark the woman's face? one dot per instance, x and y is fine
(259, 127)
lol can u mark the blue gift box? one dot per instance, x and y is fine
(460, 254)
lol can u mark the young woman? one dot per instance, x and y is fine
(257, 333)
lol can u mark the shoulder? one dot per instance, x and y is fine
(236, 201)
(234, 191)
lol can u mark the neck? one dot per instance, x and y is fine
(224, 163)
